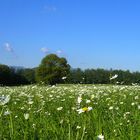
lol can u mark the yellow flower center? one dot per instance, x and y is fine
(85, 109)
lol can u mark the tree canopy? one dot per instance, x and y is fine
(4, 74)
(52, 69)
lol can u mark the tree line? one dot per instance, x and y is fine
(12, 76)
(55, 70)
(103, 76)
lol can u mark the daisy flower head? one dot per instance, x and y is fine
(100, 137)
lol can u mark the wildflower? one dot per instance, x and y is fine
(22, 108)
(26, 116)
(50, 96)
(80, 111)
(139, 107)
(73, 108)
(34, 125)
(7, 112)
(63, 100)
(29, 108)
(85, 109)
(47, 113)
(132, 104)
(121, 124)
(88, 101)
(53, 86)
(92, 96)
(114, 77)
(90, 108)
(30, 102)
(79, 100)
(61, 121)
(136, 97)
(63, 78)
(111, 107)
(100, 137)
(125, 114)
(117, 108)
(15, 103)
(108, 99)
(4, 99)
(59, 108)
(78, 127)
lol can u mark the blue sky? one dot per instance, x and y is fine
(89, 33)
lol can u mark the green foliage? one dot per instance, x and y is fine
(28, 74)
(52, 69)
(76, 76)
(102, 76)
(11, 76)
(52, 113)
(5, 74)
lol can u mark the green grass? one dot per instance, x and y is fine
(53, 112)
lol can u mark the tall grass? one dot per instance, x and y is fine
(52, 113)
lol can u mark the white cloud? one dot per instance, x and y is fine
(8, 47)
(49, 8)
(59, 52)
(44, 50)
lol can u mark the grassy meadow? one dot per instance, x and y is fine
(70, 112)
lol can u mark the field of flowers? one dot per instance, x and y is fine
(70, 112)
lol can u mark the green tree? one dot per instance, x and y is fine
(76, 76)
(52, 70)
(5, 74)
(28, 74)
